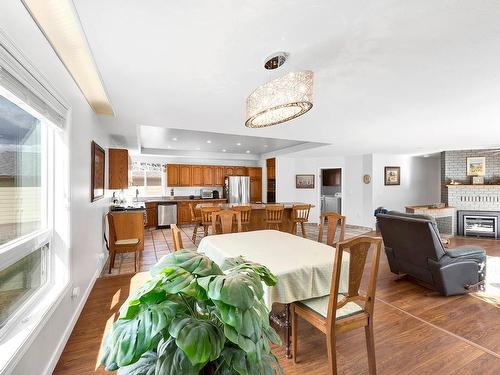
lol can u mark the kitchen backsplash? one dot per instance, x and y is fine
(185, 191)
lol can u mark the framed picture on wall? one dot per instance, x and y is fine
(304, 181)
(392, 176)
(476, 166)
(97, 168)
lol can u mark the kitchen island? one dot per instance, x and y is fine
(258, 215)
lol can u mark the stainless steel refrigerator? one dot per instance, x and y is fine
(237, 189)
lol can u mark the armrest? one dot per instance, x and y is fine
(464, 251)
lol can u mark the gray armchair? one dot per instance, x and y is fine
(413, 247)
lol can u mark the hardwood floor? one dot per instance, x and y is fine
(416, 331)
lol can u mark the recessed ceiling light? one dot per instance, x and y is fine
(59, 23)
(247, 151)
(223, 150)
(238, 144)
(266, 146)
(169, 147)
(198, 149)
(209, 141)
(426, 156)
(174, 139)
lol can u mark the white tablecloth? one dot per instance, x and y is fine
(303, 267)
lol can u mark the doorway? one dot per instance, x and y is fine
(331, 190)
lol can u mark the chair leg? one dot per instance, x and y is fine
(370, 347)
(205, 230)
(294, 334)
(135, 261)
(195, 232)
(303, 230)
(294, 228)
(332, 354)
(111, 260)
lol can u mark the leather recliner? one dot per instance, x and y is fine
(413, 247)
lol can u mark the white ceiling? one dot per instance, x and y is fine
(390, 76)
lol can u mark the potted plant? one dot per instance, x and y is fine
(193, 318)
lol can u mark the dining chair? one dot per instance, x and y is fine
(334, 220)
(339, 313)
(245, 214)
(274, 215)
(226, 219)
(126, 245)
(300, 215)
(206, 218)
(177, 237)
(195, 220)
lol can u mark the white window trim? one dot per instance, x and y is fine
(28, 320)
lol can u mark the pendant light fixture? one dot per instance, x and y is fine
(281, 99)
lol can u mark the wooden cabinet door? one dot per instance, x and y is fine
(184, 175)
(172, 175)
(255, 190)
(240, 171)
(208, 176)
(118, 169)
(271, 173)
(197, 175)
(255, 172)
(183, 213)
(230, 171)
(219, 176)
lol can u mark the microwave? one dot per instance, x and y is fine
(206, 194)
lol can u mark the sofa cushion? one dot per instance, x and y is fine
(463, 251)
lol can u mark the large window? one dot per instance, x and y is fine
(148, 179)
(25, 232)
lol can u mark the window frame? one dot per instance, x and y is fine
(18, 248)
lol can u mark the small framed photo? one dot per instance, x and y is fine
(304, 181)
(476, 166)
(477, 180)
(97, 168)
(392, 175)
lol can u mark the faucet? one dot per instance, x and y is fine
(137, 195)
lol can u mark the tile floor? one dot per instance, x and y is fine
(159, 242)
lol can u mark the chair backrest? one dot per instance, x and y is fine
(300, 212)
(226, 218)
(274, 213)
(413, 240)
(334, 220)
(358, 249)
(245, 213)
(112, 229)
(195, 212)
(206, 214)
(177, 237)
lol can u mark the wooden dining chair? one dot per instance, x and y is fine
(206, 218)
(195, 220)
(177, 237)
(125, 245)
(300, 215)
(245, 214)
(274, 215)
(339, 313)
(225, 219)
(334, 221)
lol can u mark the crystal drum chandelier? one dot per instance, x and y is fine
(280, 100)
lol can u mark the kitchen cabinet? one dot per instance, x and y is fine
(240, 171)
(332, 177)
(183, 213)
(185, 175)
(219, 176)
(208, 176)
(230, 171)
(152, 214)
(172, 175)
(255, 174)
(118, 168)
(197, 172)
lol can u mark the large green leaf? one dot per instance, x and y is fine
(149, 294)
(193, 262)
(201, 340)
(239, 263)
(249, 322)
(236, 361)
(239, 289)
(144, 366)
(130, 338)
(173, 361)
(242, 341)
(174, 280)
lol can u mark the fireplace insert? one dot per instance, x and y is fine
(478, 223)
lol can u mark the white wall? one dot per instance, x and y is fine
(86, 251)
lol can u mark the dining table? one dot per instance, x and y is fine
(303, 267)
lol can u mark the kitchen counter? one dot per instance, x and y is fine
(178, 199)
(255, 206)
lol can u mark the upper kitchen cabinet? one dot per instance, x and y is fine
(172, 175)
(208, 175)
(332, 177)
(271, 168)
(185, 175)
(229, 171)
(219, 176)
(197, 175)
(118, 168)
(255, 174)
(240, 171)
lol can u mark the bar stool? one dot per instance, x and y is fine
(300, 215)
(195, 220)
(226, 219)
(334, 220)
(245, 214)
(206, 218)
(274, 215)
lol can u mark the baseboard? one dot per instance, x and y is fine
(69, 329)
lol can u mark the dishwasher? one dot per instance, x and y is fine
(167, 214)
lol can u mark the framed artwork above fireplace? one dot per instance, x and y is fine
(476, 166)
